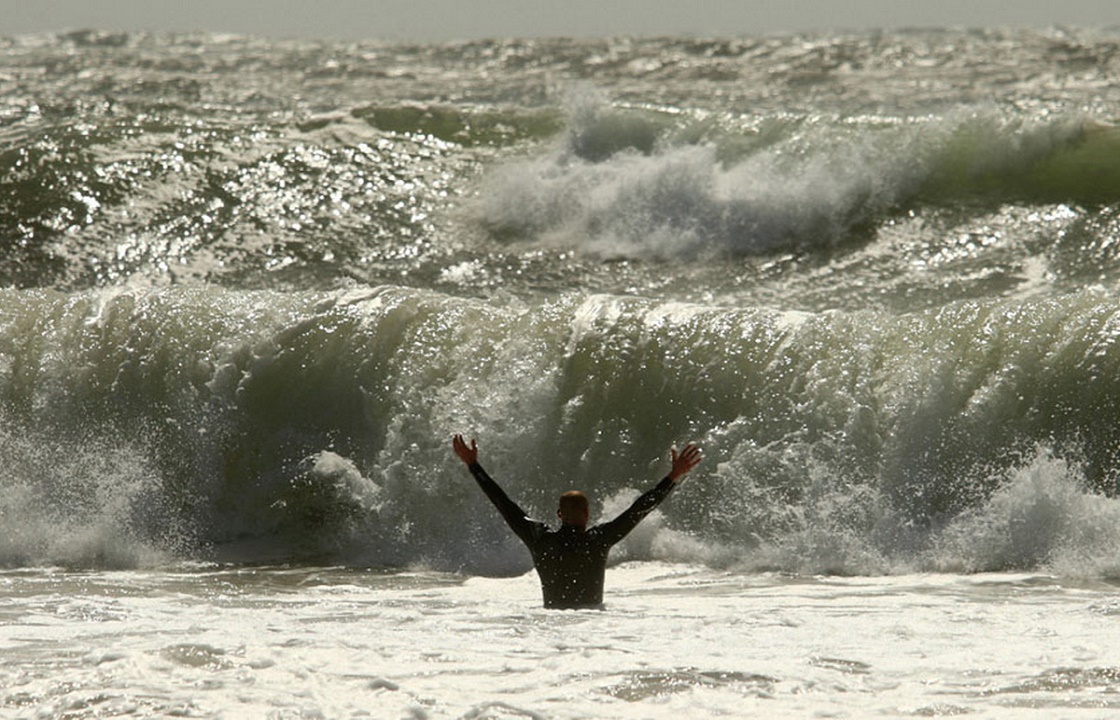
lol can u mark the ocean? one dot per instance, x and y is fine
(251, 287)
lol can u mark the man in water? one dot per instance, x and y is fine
(572, 561)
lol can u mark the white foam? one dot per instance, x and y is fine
(1043, 516)
(674, 641)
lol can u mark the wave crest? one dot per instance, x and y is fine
(634, 182)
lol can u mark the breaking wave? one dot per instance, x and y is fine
(142, 426)
(637, 182)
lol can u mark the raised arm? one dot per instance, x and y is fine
(512, 513)
(683, 463)
(467, 453)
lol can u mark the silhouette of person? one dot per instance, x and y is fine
(572, 560)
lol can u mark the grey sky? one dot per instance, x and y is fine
(449, 19)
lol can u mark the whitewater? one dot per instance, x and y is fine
(250, 288)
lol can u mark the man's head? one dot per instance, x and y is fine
(574, 509)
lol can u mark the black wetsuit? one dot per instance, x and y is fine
(571, 562)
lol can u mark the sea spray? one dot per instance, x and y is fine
(257, 425)
(252, 290)
(643, 189)
(251, 286)
(1042, 516)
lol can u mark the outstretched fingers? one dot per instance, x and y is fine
(685, 460)
(467, 453)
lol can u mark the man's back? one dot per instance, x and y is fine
(572, 565)
(571, 561)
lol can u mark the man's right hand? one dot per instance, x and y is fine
(467, 453)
